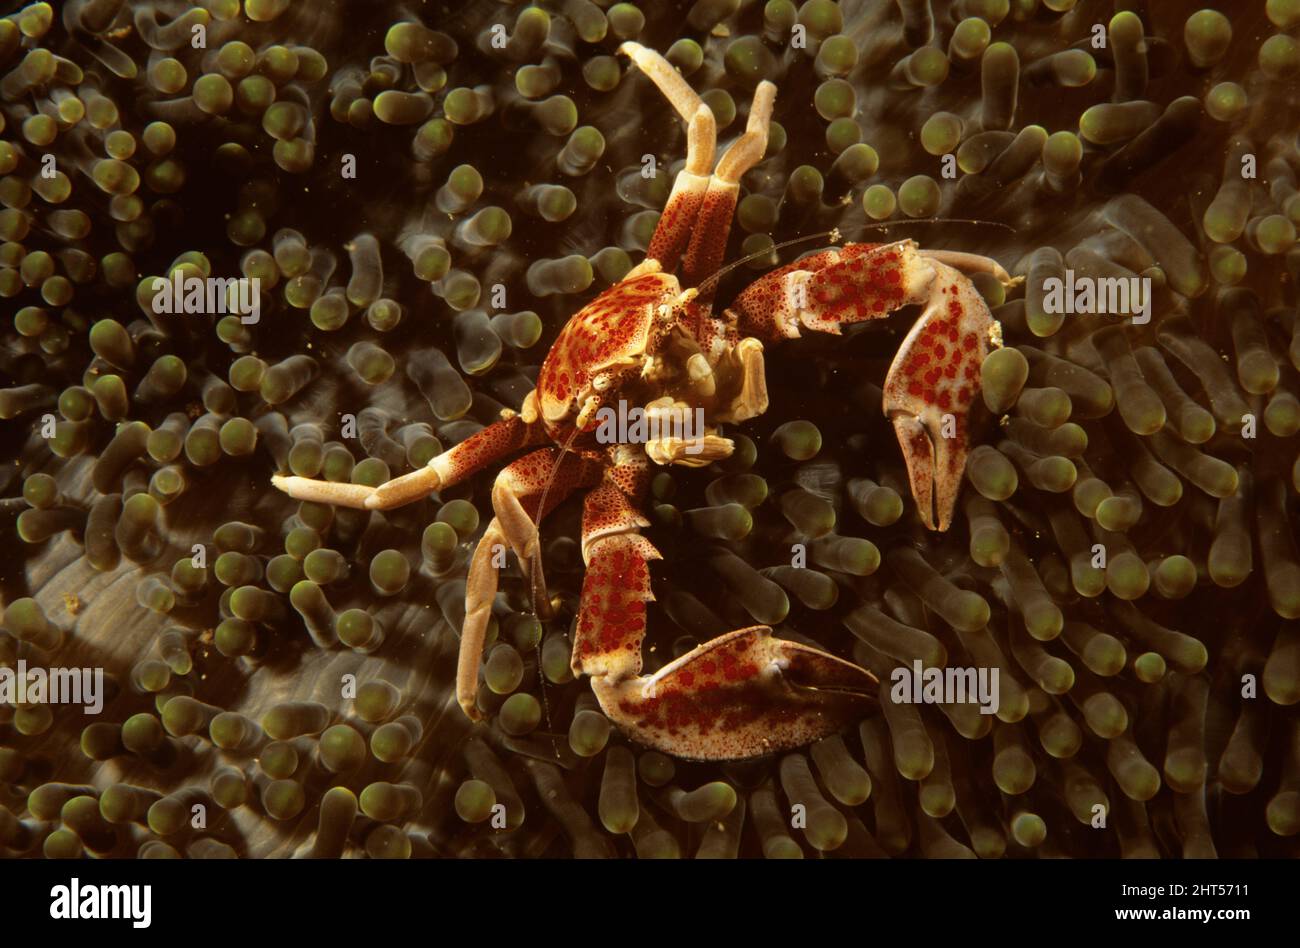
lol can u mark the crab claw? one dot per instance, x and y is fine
(743, 694)
(931, 384)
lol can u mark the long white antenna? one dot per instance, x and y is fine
(835, 234)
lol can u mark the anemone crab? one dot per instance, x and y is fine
(653, 340)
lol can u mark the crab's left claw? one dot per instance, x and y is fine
(743, 694)
(931, 384)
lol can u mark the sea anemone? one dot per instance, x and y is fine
(424, 197)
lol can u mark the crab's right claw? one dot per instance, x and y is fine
(743, 694)
(931, 384)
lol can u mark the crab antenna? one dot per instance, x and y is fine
(836, 233)
(541, 507)
(885, 225)
(709, 281)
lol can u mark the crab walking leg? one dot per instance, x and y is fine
(452, 466)
(691, 183)
(708, 243)
(741, 695)
(934, 378)
(480, 590)
(516, 499)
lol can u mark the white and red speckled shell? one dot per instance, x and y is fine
(617, 329)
